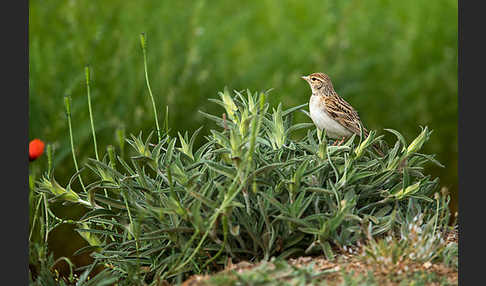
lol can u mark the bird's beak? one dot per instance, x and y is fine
(304, 77)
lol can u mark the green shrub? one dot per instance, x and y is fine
(251, 191)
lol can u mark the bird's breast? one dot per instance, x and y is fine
(323, 121)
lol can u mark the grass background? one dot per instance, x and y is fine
(395, 62)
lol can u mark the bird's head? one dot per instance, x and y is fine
(320, 83)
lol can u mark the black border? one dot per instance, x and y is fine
(471, 166)
(14, 118)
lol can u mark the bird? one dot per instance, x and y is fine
(332, 113)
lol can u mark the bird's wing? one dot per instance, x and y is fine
(341, 111)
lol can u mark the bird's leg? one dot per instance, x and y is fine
(338, 142)
(341, 141)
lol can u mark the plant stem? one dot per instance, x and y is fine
(35, 217)
(49, 160)
(86, 70)
(67, 103)
(46, 217)
(143, 42)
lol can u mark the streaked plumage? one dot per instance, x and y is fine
(332, 113)
(329, 111)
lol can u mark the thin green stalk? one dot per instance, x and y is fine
(86, 71)
(67, 103)
(166, 119)
(120, 132)
(46, 218)
(143, 42)
(111, 155)
(49, 160)
(436, 213)
(35, 217)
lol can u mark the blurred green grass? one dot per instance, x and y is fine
(394, 61)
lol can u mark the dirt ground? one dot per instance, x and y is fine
(349, 262)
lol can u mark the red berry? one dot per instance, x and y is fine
(36, 148)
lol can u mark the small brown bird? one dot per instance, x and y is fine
(332, 113)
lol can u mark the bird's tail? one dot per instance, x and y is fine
(378, 149)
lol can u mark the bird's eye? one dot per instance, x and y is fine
(313, 79)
